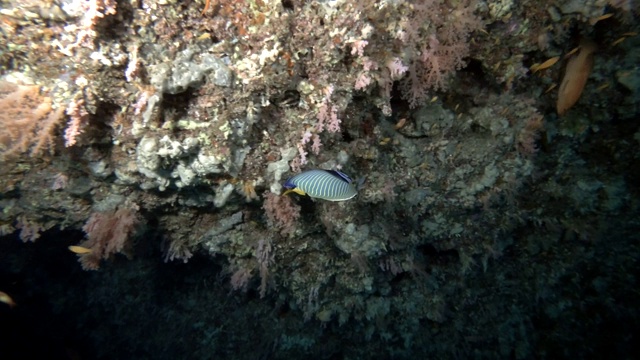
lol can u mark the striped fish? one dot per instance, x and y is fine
(329, 185)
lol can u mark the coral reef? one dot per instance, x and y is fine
(485, 225)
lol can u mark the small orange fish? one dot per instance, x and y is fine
(575, 77)
(400, 123)
(593, 21)
(80, 250)
(573, 51)
(207, 3)
(553, 86)
(617, 42)
(5, 298)
(544, 65)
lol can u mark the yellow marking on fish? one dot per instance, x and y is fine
(294, 190)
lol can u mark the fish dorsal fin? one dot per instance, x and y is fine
(340, 175)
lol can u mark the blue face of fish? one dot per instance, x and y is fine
(329, 185)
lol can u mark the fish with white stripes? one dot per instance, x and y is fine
(329, 185)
